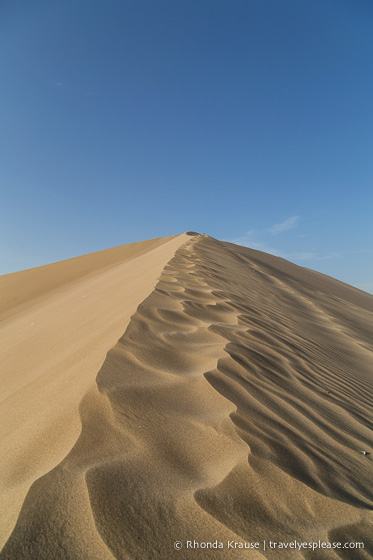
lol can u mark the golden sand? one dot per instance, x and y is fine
(183, 389)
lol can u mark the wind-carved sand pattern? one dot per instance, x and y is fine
(236, 405)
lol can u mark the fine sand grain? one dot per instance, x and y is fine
(234, 404)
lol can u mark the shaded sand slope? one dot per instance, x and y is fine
(235, 406)
(56, 325)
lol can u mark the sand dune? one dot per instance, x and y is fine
(233, 404)
(57, 323)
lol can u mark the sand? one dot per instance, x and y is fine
(184, 389)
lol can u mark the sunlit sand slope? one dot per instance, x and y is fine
(236, 406)
(57, 323)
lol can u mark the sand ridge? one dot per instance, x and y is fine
(235, 406)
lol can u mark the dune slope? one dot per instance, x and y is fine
(235, 406)
(57, 323)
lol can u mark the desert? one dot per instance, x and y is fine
(184, 390)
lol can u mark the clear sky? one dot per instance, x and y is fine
(249, 120)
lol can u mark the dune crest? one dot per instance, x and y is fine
(235, 405)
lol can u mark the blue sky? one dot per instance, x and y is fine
(249, 120)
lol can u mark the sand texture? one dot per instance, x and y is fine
(182, 389)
